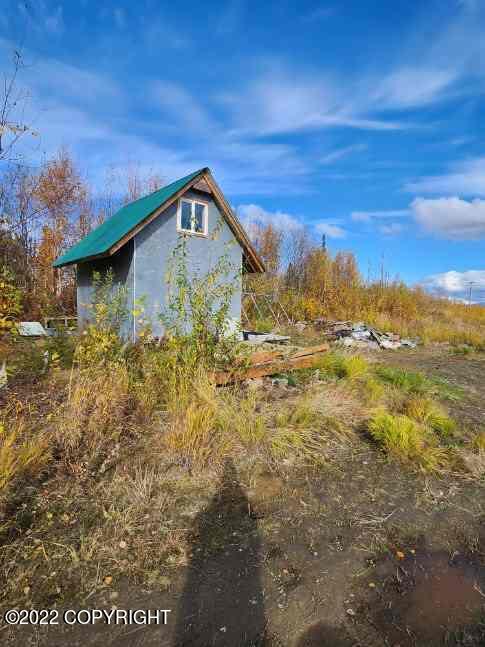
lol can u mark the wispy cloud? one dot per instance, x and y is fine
(285, 101)
(392, 229)
(339, 153)
(368, 216)
(464, 178)
(178, 103)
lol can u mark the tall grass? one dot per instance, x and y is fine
(22, 453)
(96, 406)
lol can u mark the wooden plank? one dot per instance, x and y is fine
(283, 365)
(266, 357)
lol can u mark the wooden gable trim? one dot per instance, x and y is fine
(141, 225)
(253, 262)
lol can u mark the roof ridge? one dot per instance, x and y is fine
(163, 188)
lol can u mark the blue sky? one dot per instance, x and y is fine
(364, 121)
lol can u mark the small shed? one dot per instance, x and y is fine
(138, 241)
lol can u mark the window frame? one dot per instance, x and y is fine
(205, 217)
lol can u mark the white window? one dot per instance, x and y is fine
(192, 217)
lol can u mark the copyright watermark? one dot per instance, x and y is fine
(86, 616)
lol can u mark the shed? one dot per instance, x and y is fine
(138, 241)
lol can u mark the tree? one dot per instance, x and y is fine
(12, 106)
(62, 197)
(268, 241)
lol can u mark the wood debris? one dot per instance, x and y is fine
(270, 363)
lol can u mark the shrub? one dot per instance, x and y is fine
(101, 340)
(196, 318)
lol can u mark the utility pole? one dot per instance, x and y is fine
(470, 287)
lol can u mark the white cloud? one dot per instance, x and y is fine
(331, 228)
(368, 216)
(451, 218)
(456, 283)
(342, 152)
(253, 214)
(465, 178)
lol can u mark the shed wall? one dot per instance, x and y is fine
(153, 248)
(122, 264)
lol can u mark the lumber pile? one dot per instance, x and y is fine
(271, 362)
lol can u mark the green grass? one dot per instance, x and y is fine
(429, 413)
(405, 380)
(344, 366)
(408, 441)
(416, 383)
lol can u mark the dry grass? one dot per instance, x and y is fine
(22, 453)
(96, 407)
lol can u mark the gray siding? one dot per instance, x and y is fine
(122, 264)
(142, 264)
(154, 246)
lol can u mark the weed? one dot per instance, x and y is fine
(196, 318)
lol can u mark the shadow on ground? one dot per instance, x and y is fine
(222, 601)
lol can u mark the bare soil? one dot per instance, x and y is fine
(362, 552)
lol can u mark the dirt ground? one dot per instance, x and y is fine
(362, 552)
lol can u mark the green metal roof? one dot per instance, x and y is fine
(100, 240)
